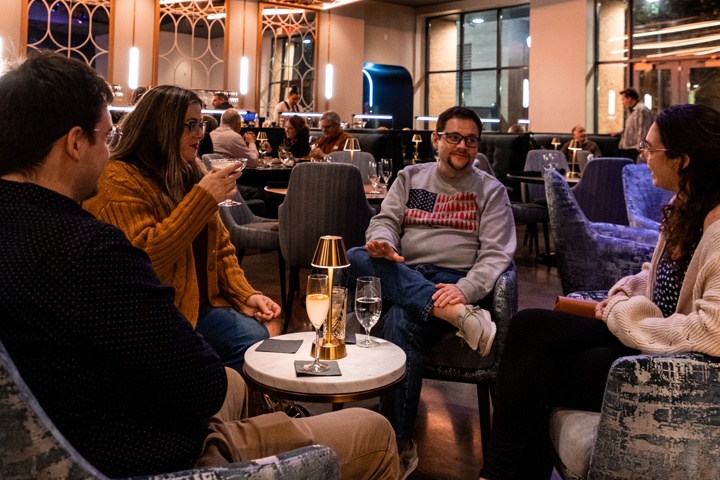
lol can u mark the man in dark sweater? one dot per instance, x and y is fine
(94, 333)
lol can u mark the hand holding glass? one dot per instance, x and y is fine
(317, 304)
(368, 305)
(219, 164)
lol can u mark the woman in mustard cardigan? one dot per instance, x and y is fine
(155, 191)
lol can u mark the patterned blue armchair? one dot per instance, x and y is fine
(659, 419)
(592, 255)
(644, 200)
(32, 447)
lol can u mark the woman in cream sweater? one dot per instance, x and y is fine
(155, 191)
(671, 306)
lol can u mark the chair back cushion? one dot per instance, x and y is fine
(322, 199)
(600, 191)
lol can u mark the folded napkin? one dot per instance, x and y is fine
(279, 346)
(300, 371)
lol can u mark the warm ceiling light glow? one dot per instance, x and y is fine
(329, 74)
(134, 68)
(244, 75)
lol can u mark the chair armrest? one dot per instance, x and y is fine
(660, 419)
(306, 463)
(623, 232)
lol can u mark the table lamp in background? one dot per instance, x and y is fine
(352, 145)
(573, 173)
(555, 143)
(330, 254)
(416, 139)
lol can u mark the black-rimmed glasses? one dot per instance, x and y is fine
(196, 128)
(112, 136)
(644, 147)
(456, 138)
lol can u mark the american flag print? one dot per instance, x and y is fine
(459, 211)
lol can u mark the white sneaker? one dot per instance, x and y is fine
(408, 461)
(476, 328)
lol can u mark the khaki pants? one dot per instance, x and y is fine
(363, 440)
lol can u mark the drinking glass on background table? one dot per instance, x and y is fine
(373, 175)
(262, 139)
(386, 169)
(317, 303)
(368, 305)
(220, 163)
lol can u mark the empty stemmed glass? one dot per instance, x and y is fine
(386, 169)
(317, 304)
(368, 305)
(219, 164)
(373, 175)
(261, 139)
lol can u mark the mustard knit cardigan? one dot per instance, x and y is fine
(132, 202)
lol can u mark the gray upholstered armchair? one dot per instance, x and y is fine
(592, 256)
(644, 201)
(32, 447)
(659, 419)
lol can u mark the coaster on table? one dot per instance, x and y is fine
(279, 346)
(300, 371)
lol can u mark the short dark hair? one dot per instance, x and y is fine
(41, 100)
(222, 96)
(630, 93)
(457, 112)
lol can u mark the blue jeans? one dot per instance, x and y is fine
(407, 322)
(230, 333)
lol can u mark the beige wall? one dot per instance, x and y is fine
(10, 28)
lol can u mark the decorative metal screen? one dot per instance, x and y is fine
(78, 28)
(191, 51)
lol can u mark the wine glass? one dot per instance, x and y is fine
(373, 175)
(317, 303)
(368, 304)
(285, 156)
(219, 164)
(261, 139)
(386, 169)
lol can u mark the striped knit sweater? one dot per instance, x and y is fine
(695, 325)
(131, 202)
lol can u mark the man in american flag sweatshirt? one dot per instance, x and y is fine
(444, 234)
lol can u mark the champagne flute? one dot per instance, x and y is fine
(386, 169)
(368, 305)
(261, 139)
(219, 164)
(373, 175)
(317, 303)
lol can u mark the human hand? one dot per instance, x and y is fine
(267, 147)
(249, 137)
(221, 183)
(261, 308)
(448, 294)
(601, 305)
(382, 249)
(316, 153)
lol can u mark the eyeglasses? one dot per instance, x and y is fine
(112, 136)
(644, 147)
(456, 138)
(196, 128)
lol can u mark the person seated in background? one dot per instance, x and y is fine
(333, 138)
(156, 191)
(92, 330)
(516, 128)
(580, 141)
(444, 234)
(290, 104)
(206, 144)
(220, 101)
(297, 137)
(557, 359)
(228, 142)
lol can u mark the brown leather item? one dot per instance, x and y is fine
(577, 306)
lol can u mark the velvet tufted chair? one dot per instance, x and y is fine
(592, 256)
(32, 447)
(644, 200)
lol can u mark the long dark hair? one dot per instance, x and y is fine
(151, 141)
(692, 131)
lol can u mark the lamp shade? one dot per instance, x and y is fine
(262, 137)
(352, 145)
(416, 138)
(330, 252)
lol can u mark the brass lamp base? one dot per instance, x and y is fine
(333, 350)
(572, 174)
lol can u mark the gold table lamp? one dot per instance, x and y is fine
(573, 173)
(330, 254)
(416, 139)
(352, 145)
(555, 143)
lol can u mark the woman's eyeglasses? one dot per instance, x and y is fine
(196, 128)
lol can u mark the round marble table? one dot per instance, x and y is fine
(365, 372)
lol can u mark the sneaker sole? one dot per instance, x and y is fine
(410, 469)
